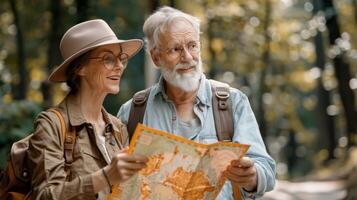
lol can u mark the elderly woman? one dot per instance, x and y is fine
(94, 61)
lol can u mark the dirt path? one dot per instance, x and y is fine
(327, 190)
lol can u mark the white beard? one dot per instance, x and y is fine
(187, 82)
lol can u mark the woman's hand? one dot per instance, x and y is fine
(123, 166)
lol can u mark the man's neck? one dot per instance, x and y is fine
(184, 101)
(179, 96)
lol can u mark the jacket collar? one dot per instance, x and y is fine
(75, 116)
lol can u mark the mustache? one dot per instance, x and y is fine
(193, 63)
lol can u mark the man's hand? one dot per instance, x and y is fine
(242, 172)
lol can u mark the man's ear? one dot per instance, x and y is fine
(155, 56)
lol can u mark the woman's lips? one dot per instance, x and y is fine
(114, 78)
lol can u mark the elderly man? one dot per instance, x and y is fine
(181, 102)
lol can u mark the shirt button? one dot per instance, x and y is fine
(174, 118)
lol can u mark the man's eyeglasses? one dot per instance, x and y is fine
(192, 47)
(109, 60)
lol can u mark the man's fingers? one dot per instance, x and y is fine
(243, 162)
(241, 180)
(239, 171)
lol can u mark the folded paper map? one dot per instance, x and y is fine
(178, 168)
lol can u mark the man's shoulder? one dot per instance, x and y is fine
(125, 108)
(235, 93)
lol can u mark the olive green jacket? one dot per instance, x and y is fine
(46, 153)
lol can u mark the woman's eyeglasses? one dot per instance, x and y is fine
(110, 60)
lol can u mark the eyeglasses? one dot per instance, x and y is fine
(109, 60)
(192, 47)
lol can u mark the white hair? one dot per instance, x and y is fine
(159, 20)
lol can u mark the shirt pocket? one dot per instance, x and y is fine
(91, 154)
(87, 157)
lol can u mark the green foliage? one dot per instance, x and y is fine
(16, 122)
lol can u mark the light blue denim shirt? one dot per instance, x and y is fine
(161, 114)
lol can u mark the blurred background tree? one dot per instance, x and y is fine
(296, 61)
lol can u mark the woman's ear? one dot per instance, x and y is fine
(81, 71)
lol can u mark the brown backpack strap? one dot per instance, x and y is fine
(137, 110)
(223, 116)
(62, 122)
(68, 139)
(222, 110)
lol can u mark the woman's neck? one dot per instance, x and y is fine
(91, 105)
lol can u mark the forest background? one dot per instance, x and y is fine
(295, 59)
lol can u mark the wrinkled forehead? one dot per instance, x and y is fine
(177, 31)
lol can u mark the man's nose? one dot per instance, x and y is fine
(186, 55)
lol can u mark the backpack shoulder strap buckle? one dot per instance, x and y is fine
(222, 94)
(222, 110)
(68, 139)
(140, 98)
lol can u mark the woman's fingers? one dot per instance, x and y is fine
(130, 165)
(125, 165)
(137, 158)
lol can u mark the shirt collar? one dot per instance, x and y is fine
(202, 93)
(75, 116)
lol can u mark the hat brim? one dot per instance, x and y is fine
(130, 47)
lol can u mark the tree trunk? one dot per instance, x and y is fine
(153, 5)
(342, 72)
(82, 10)
(213, 62)
(326, 122)
(172, 3)
(354, 4)
(53, 54)
(266, 62)
(20, 87)
(210, 35)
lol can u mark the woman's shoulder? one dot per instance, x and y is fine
(47, 126)
(50, 115)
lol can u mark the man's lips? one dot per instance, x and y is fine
(185, 69)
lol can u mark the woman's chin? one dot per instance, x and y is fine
(114, 90)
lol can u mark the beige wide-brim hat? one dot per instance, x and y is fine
(86, 36)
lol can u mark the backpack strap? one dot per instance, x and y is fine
(63, 124)
(222, 110)
(68, 139)
(137, 110)
(223, 116)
